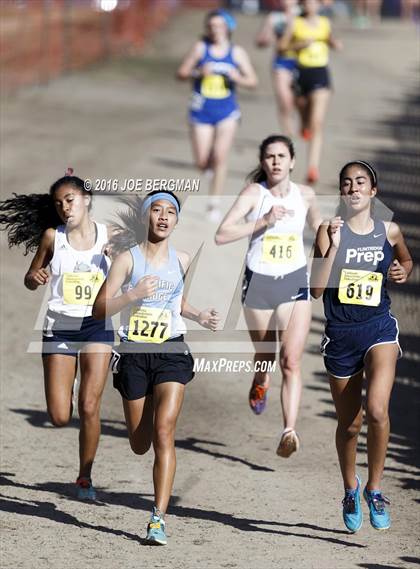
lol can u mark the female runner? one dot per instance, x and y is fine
(284, 63)
(272, 212)
(359, 254)
(216, 67)
(70, 256)
(155, 363)
(310, 35)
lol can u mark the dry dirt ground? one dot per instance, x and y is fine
(235, 503)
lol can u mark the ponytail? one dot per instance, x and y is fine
(27, 217)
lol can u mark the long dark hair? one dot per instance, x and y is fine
(373, 177)
(258, 174)
(26, 217)
(129, 228)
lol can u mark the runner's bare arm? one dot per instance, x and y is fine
(187, 69)
(402, 264)
(286, 41)
(105, 304)
(335, 43)
(326, 245)
(233, 227)
(37, 273)
(208, 318)
(265, 36)
(314, 215)
(184, 259)
(246, 76)
(283, 42)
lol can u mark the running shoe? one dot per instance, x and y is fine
(306, 134)
(258, 397)
(312, 176)
(289, 443)
(352, 508)
(156, 529)
(378, 514)
(85, 489)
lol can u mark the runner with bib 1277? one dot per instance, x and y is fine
(155, 363)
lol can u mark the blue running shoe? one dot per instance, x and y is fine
(85, 489)
(379, 516)
(156, 529)
(352, 508)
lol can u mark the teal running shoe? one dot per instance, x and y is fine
(85, 489)
(352, 508)
(156, 529)
(378, 514)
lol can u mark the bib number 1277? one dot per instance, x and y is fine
(152, 325)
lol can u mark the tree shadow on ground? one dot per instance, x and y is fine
(40, 419)
(49, 510)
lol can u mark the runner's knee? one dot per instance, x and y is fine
(59, 418)
(140, 446)
(164, 435)
(289, 363)
(88, 407)
(202, 163)
(377, 413)
(349, 431)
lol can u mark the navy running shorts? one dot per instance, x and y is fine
(312, 78)
(345, 347)
(137, 372)
(67, 335)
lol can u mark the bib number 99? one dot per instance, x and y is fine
(83, 292)
(81, 288)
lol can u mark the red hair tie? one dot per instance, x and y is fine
(69, 172)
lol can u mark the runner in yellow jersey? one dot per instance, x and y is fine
(284, 66)
(310, 35)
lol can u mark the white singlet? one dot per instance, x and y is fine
(278, 250)
(76, 276)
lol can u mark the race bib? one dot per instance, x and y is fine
(360, 287)
(281, 248)
(214, 87)
(81, 288)
(151, 325)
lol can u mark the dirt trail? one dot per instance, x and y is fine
(235, 503)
